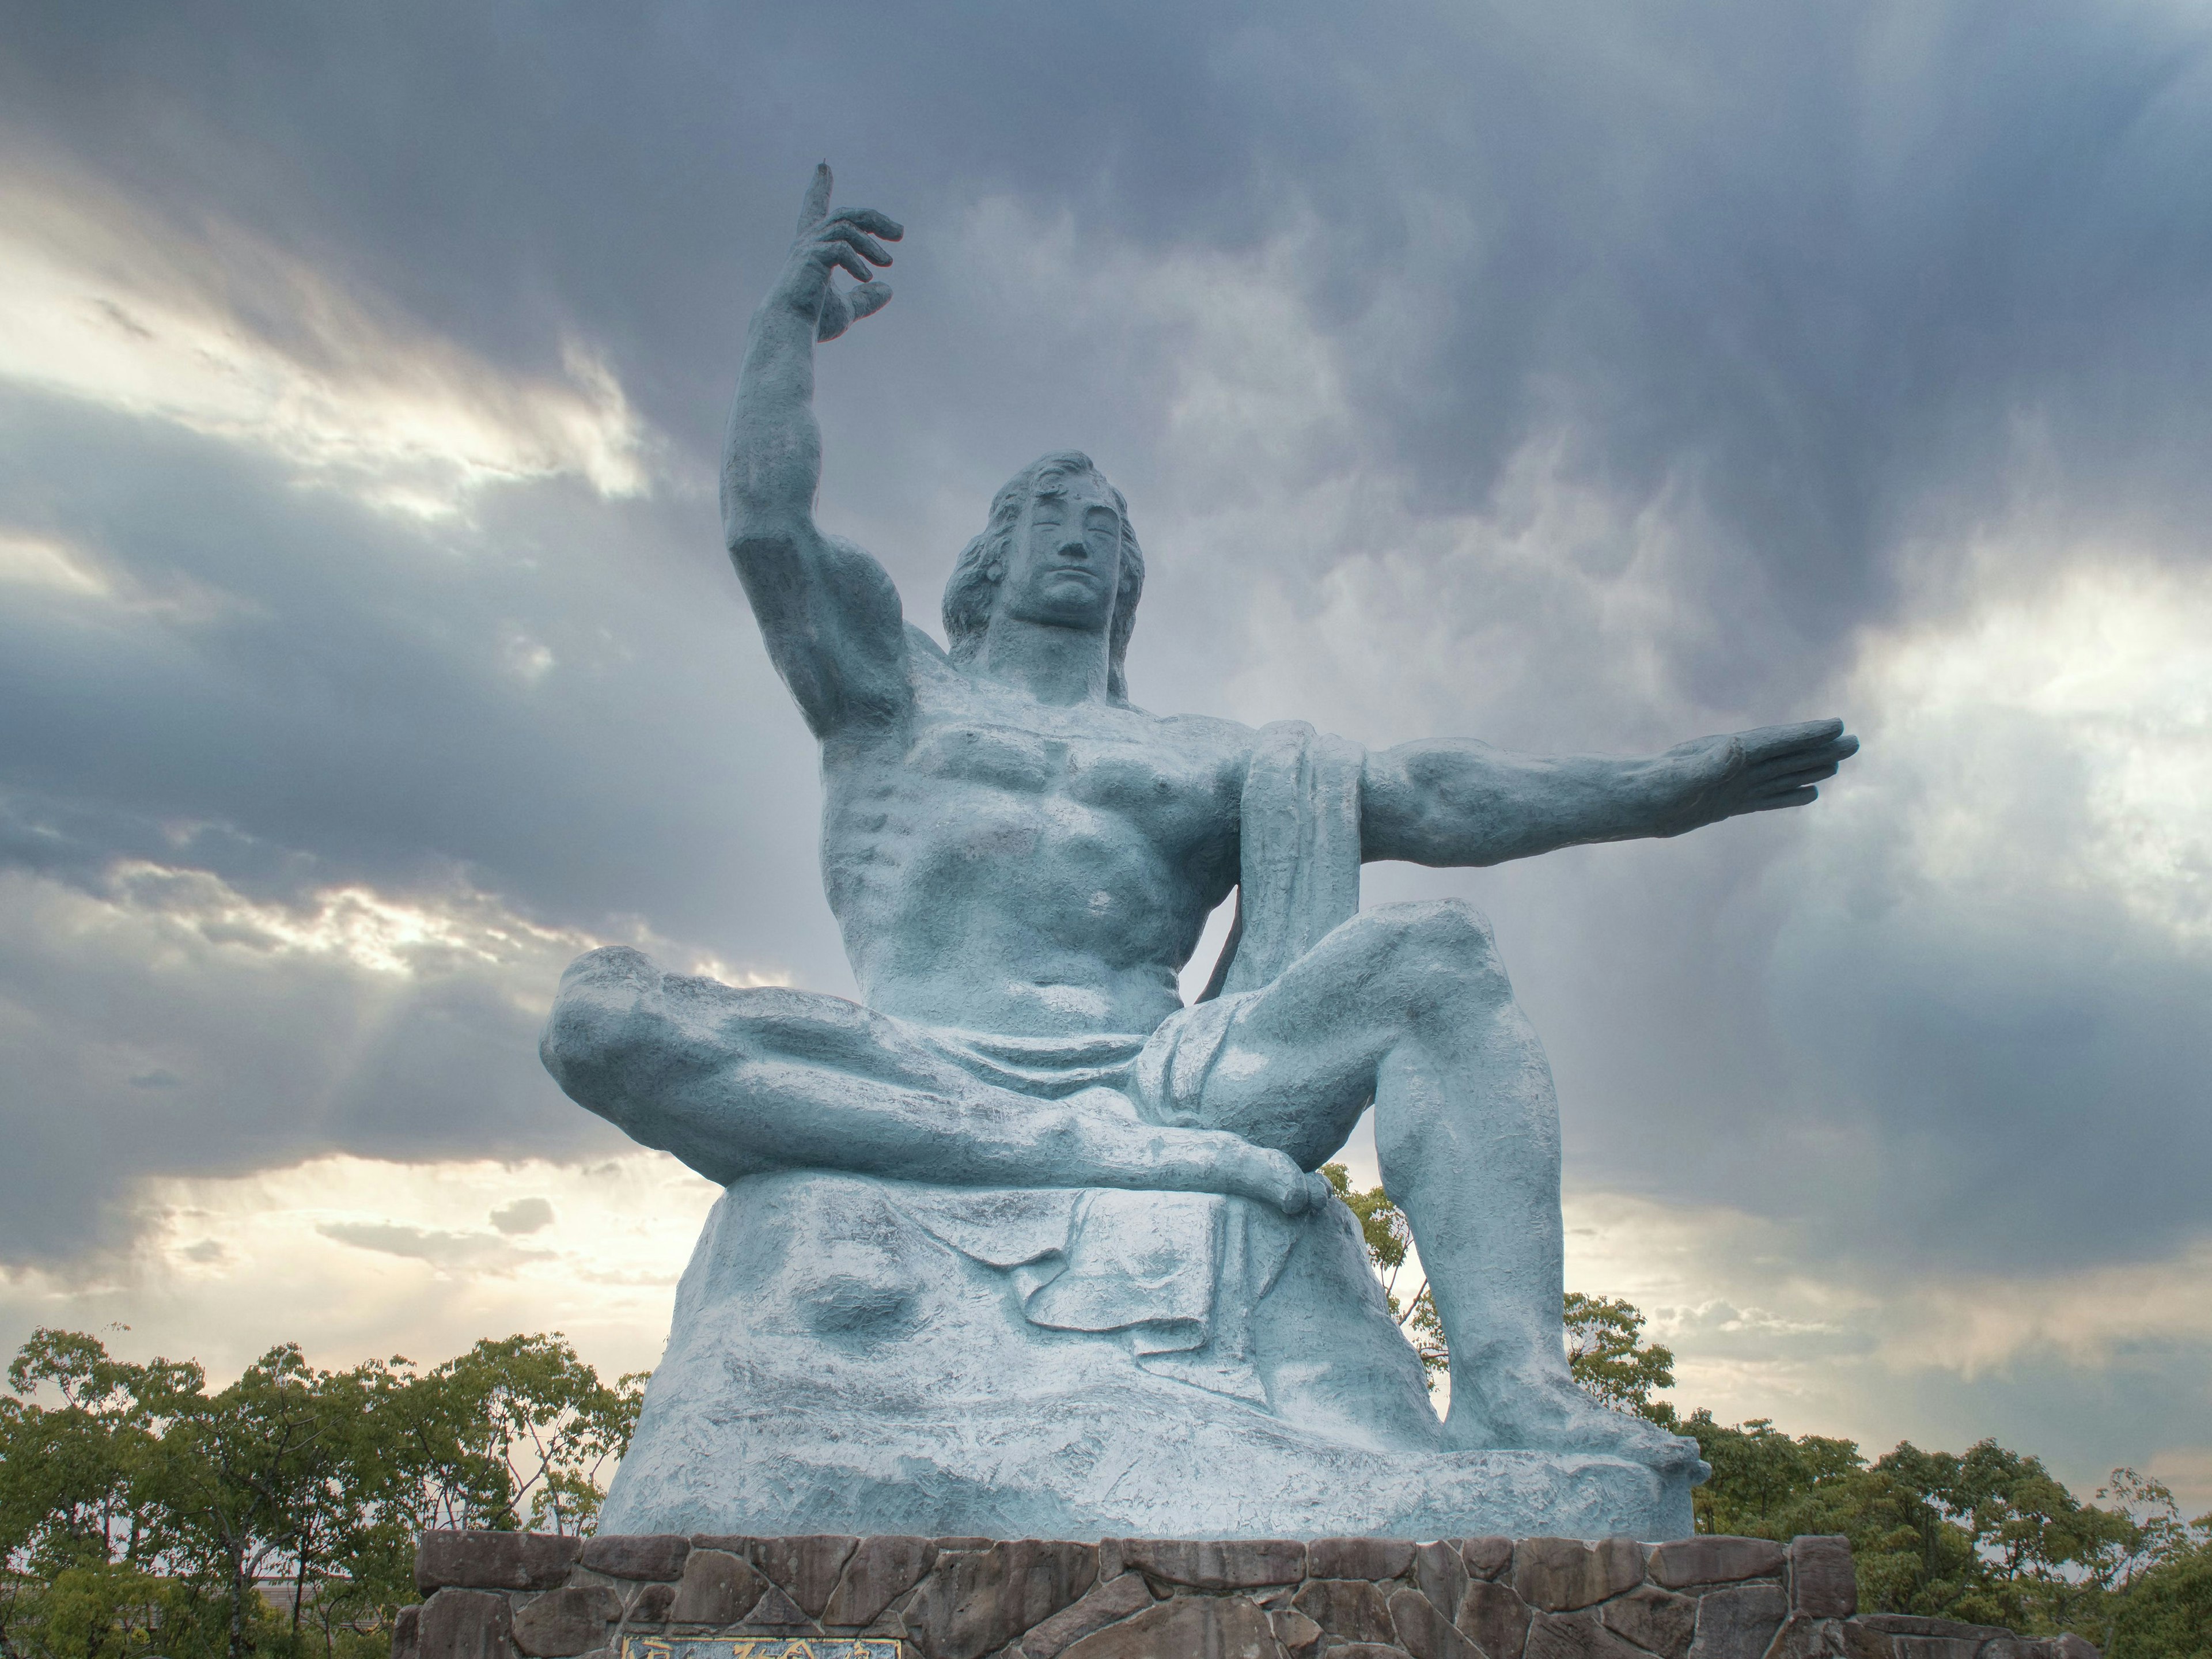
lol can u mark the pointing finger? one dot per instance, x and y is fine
(878, 224)
(817, 199)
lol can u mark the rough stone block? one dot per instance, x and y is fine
(1933, 1647)
(656, 1555)
(1358, 1558)
(738, 1545)
(1442, 1575)
(563, 1622)
(1248, 1563)
(1485, 1557)
(1738, 1623)
(1423, 1632)
(1494, 1617)
(1365, 1650)
(807, 1568)
(1659, 1621)
(1574, 1636)
(965, 1541)
(407, 1634)
(2072, 1646)
(1860, 1643)
(881, 1570)
(464, 1624)
(1301, 1637)
(1687, 1561)
(652, 1604)
(1562, 1574)
(976, 1603)
(1349, 1609)
(1804, 1637)
(493, 1560)
(717, 1589)
(1822, 1581)
(1188, 1627)
(776, 1613)
(1103, 1605)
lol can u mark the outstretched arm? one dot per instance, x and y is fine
(827, 611)
(1450, 802)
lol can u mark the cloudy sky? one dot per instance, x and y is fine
(1574, 376)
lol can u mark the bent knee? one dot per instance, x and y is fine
(1441, 947)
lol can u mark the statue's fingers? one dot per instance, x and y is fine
(836, 315)
(845, 255)
(1765, 788)
(1824, 760)
(867, 299)
(817, 199)
(844, 230)
(1771, 740)
(875, 224)
(1803, 797)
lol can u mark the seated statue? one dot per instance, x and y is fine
(1022, 1244)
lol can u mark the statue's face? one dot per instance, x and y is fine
(1063, 566)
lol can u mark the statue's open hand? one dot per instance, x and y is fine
(1774, 766)
(847, 237)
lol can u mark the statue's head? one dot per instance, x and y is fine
(1058, 550)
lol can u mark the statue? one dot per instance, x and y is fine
(1022, 1245)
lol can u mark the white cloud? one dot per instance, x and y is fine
(2056, 737)
(28, 560)
(226, 335)
(352, 1257)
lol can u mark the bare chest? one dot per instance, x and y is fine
(973, 774)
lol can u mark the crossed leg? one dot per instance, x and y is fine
(735, 1082)
(1408, 1005)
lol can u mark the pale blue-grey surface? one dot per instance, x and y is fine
(1022, 1244)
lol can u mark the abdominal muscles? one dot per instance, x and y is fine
(1025, 914)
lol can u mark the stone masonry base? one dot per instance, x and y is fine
(498, 1596)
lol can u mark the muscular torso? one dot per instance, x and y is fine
(1001, 865)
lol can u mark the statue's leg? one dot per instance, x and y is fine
(739, 1081)
(1408, 1004)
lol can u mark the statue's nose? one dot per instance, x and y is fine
(1074, 548)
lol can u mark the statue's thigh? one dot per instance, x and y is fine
(1298, 1062)
(1290, 1075)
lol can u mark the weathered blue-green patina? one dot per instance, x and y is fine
(1020, 1244)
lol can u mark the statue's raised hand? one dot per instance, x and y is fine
(1710, 779)
(847, 237)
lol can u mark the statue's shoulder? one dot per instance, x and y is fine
(1224, 743)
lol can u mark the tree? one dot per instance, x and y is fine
(140, 1512)
(1389, 1239)
(1608, 1358)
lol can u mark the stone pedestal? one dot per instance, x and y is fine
(519, 1595)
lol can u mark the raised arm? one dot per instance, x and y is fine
(1450, 802)
(829, 612)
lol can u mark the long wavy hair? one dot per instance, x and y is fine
(973, 591)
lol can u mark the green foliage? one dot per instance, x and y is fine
(1389, 1239)
(140, 1514)
(1989, 1536)
(1606, 1353)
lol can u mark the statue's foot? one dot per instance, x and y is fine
(1548, 1411)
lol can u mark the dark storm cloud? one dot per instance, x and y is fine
(1821, 280)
